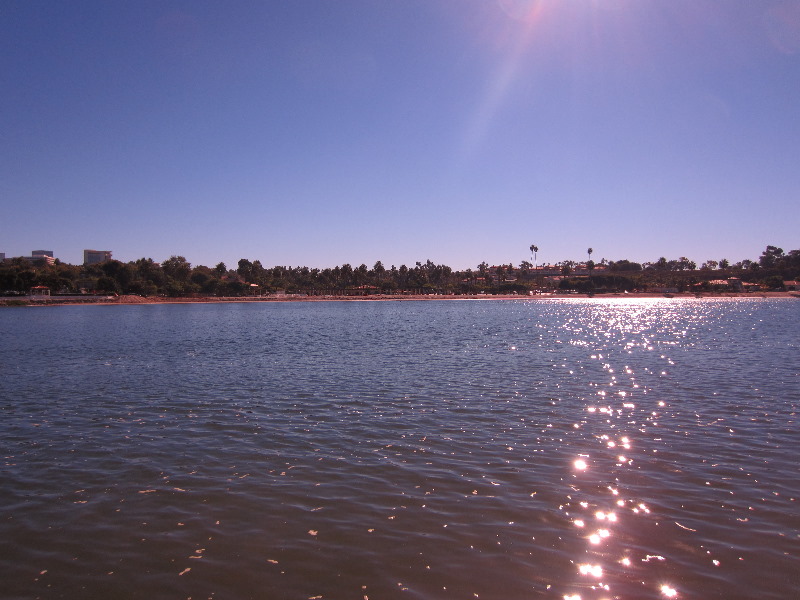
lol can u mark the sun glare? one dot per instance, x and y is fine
(521, 10)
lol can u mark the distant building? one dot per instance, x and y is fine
(43, 255)
(735, 284)
(731, 284)
(92, 257)
(37, 256)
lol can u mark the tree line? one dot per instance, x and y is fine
(176, 277)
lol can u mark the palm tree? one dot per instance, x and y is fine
(534, 250)
(590, 250)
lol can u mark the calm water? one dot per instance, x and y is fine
(423, 450)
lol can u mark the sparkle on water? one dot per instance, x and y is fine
(429, 448)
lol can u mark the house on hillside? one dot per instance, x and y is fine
(735, 284)
(39, 292)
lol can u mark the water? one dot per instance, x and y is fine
(456, 449)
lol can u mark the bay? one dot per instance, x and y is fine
(583, 448)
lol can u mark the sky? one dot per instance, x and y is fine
(324, 132)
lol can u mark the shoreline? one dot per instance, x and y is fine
(133, 300)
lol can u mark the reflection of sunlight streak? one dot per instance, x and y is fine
(485, 112)
(528, 12)
(782, 25)
(602, 516)
(668, 591)
(601, 534)
(521, 10)
(601, 524)
(594, 570)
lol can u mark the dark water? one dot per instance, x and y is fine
(497, 450)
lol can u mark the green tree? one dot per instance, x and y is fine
(258, 274)
(361, 274)
(684, 264)
(122, 273)
(245, 269)
(624, 265)
(346, 275)
(770, 257)
(151, 273)
(402, 276)
(177, 267)
(774, 282)
(107, 285)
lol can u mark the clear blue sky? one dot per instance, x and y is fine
(311, 132)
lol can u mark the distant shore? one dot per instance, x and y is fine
(132, 299)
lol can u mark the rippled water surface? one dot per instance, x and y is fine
(457, 449)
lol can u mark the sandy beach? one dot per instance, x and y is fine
(133, 299)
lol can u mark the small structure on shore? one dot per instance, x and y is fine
(39, 292)
(735, 284)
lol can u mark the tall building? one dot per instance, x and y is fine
(37, 257)
(92, 257)
(45, 256)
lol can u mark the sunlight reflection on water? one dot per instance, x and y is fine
(569, 449)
